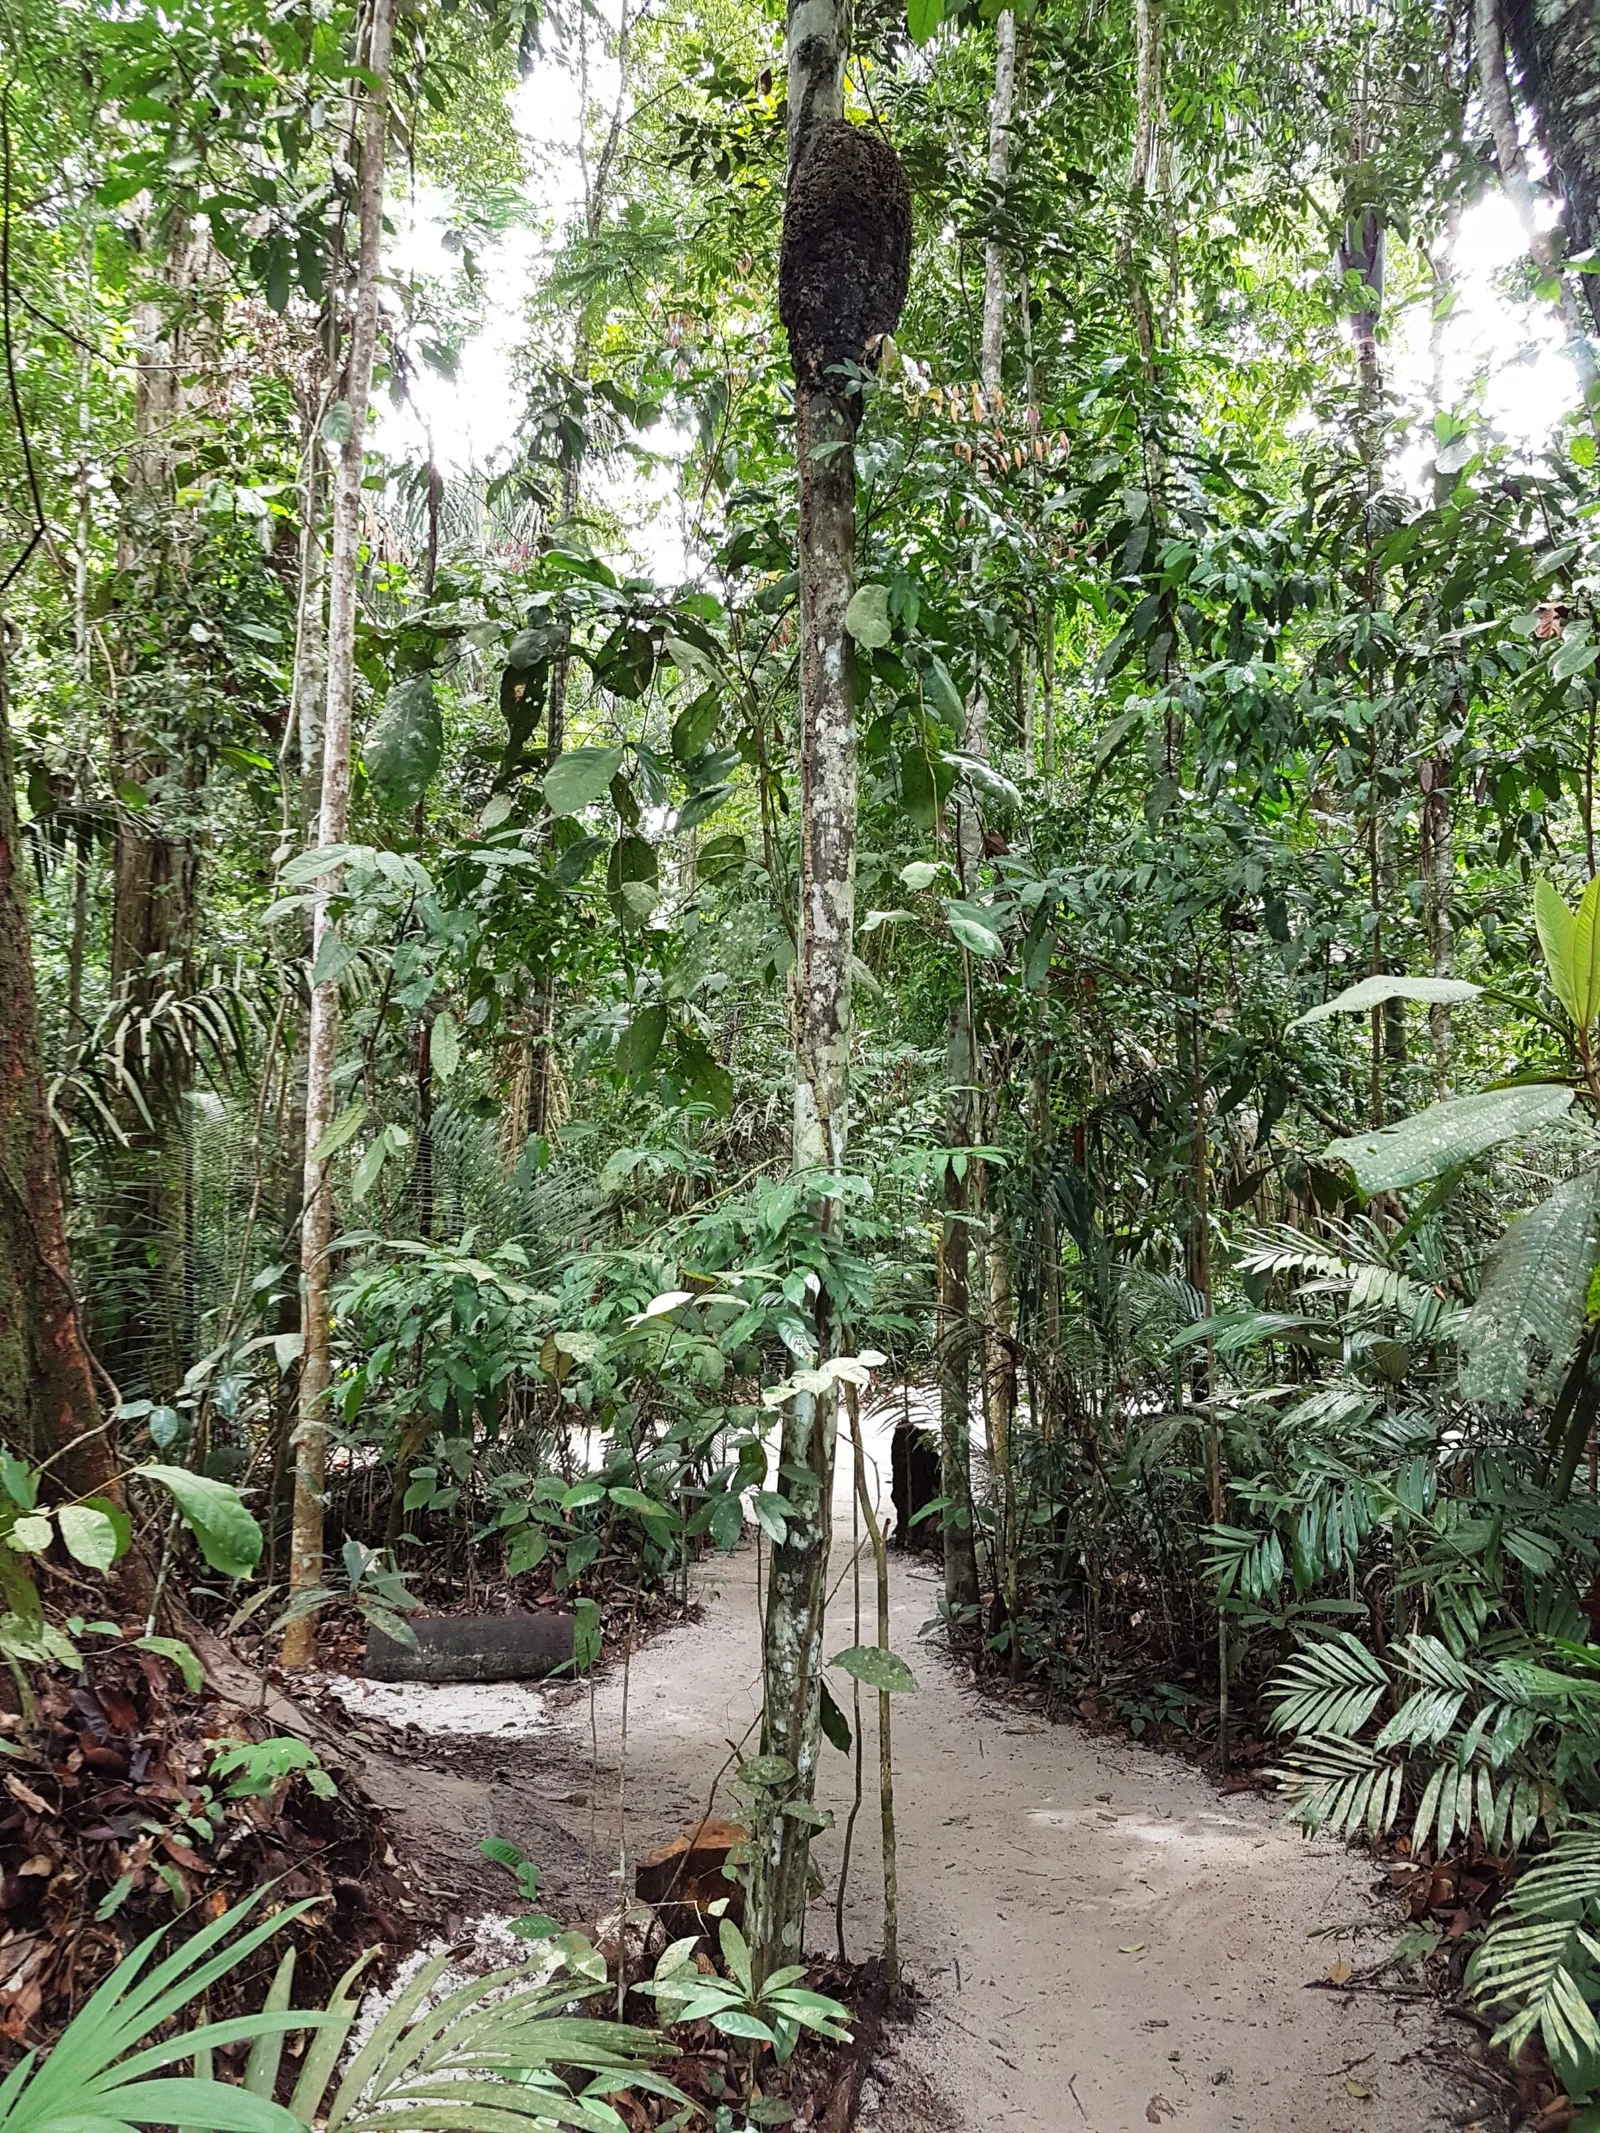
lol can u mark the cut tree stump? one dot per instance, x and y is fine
(684, 1876)
(474, 1648)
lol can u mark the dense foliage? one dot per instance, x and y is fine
(1222, 1072)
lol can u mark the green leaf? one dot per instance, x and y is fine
(173, 1648)
(19, 1479)
(404, 750)
(631, 879)
(230, 1539)
(641, 1041)
(835, 1726)
(883, 1670)
(1553, 923)
(576, 861)
(576, 779)
(1532, 1297)
(726, 1520)
(370, 1166)
(343, 1130)
(1584, 956)
(336, 424)
(721, 858)
(921, 874)
(444, 1045)
(334, 957)
(923, 17)
(867, 616)
(32, 1534)
(1372, 992)
(89, 1536)
(943, 694)
(1447, 1135)
(973, 934)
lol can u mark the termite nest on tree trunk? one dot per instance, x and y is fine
(846, 260)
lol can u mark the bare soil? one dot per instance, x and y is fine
(1100, 1939)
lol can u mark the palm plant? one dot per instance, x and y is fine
(1539, 1965)
(481, 2059)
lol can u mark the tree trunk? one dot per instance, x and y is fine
(825, 426)
(47, 1398)
(154, 872)
(994, 252)
(316, 1229)
(1528, 32)
(1558, 50)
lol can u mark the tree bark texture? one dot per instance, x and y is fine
(316, 1230)
(1557, 47)
(994, 252)
(1489, 40)
(825, 426)
(47, 1396)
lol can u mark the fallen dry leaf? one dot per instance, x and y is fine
(1134, 1947)
(1356, 2089)
(1158, 2108)
(1341, 1973)
(26, 1794)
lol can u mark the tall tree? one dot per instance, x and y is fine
(48, 1406)
(1558, 50)
(842, 281)
(316, 1229)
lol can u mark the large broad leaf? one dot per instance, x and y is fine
(867, 616)
(1446, 1135)
(879, 1669)
(403, 750)
(1372, 992)
(577, 779)
(641, 1041)
(1529, 1311)
(1553, 922)
(631, 880)
(230, 1539)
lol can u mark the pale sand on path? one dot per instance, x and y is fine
(1103, 1940)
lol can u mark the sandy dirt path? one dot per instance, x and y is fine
(1104, 1942)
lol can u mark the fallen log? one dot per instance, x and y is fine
(520, 1647)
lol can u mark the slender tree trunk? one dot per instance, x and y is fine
(47, 1397)
(1436, 825)
(154, 864)
(886, 1821)
(316, 1230)
(994, 252)
(961, 1341)
(825, 426)
(1583, 208)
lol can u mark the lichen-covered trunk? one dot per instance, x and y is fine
(316, 1229)
(1557, 46)
(825, 426)
(47, 1397)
